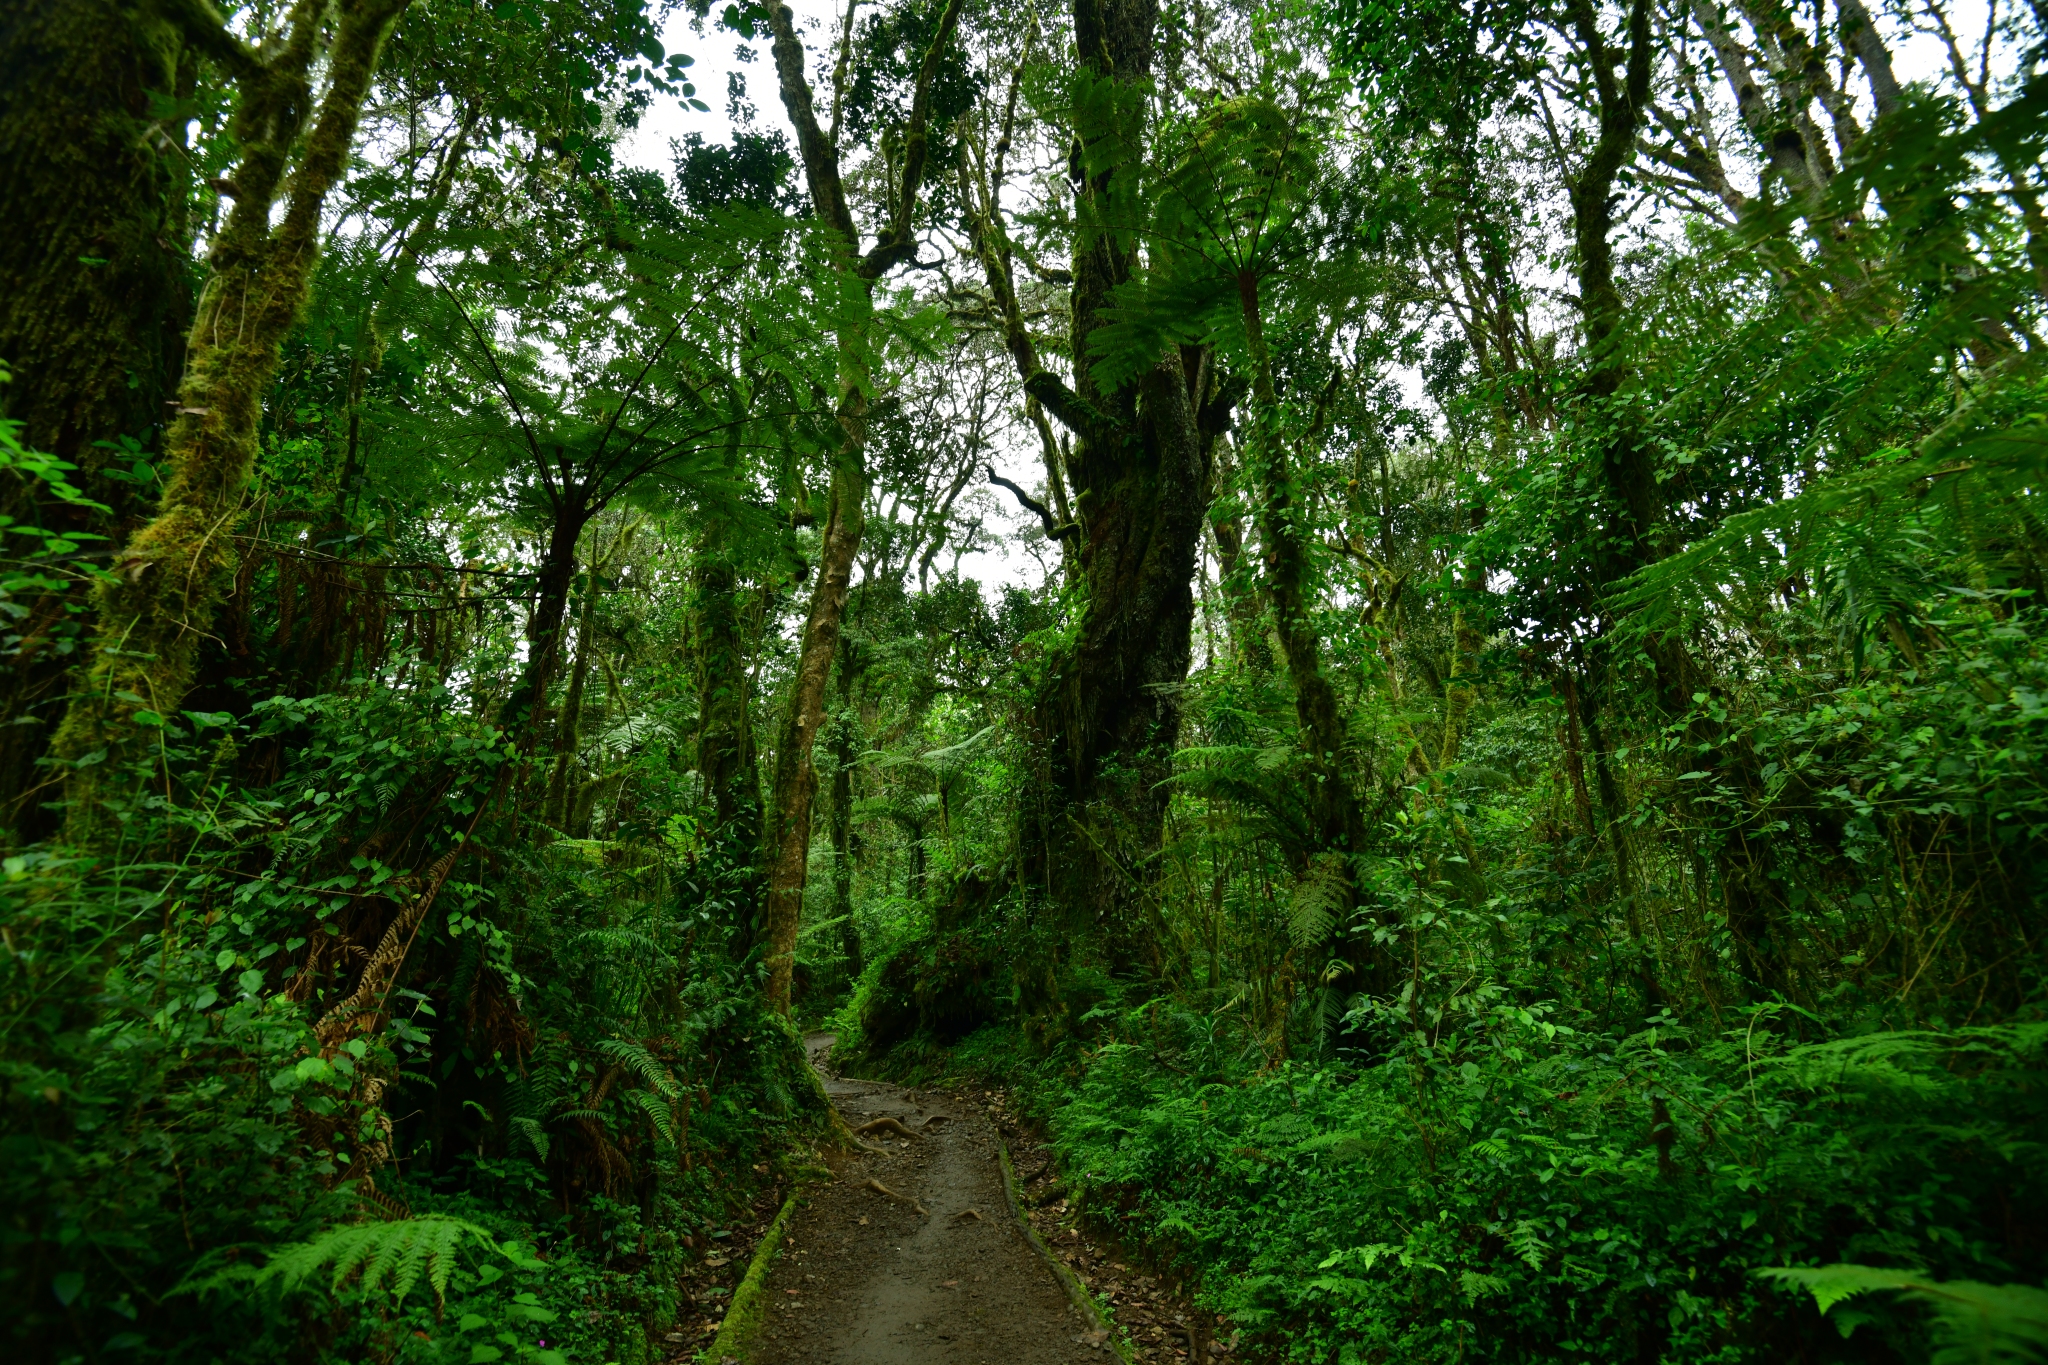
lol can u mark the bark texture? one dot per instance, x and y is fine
(796, 779)
(94, 302)
(1106, 714)
(172, 575)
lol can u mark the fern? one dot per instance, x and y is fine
(1319, 896)
(643, 1064)
(657, 1111)
(1974, 1324)
(636, 730)
(399, 1253)
(535, 1134)
(1863, 537)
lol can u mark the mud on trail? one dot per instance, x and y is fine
(935, 1270)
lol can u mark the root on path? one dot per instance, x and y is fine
(879, 1188)
(884, 1125)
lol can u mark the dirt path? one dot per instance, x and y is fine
(864, 1279)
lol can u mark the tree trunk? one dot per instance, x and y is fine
(174, 573)
(93, 304)
(568, 732)
(842, 818)
(1244, 611)
(725, 728)
(521, 714)
(1106, 716)
(796, 779)
(1339, 826)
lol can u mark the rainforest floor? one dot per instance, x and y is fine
(937, 1269)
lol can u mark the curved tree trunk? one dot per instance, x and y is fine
(174, 573)
(796, 780)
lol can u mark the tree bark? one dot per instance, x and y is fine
(796, 780)
(568, 731)
(842, 818)
(173, 574)
(1339, 825)
(520, 716)
(93, 304)
(1106, 716)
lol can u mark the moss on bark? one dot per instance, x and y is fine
(94, 298)
(170, 578)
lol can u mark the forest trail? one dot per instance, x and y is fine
(864, 1279)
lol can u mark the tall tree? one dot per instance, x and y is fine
(1106, 715)
(171, 576)
(788, 836)
(94, 296)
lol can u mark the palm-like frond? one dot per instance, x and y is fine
(399, 1253)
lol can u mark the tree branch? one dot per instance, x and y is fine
(1053, 530)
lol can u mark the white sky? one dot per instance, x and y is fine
(668, 120)
(1916, 57)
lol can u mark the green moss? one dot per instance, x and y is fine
(170, 579)
(743, 1317)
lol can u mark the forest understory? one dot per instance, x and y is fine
(1398, 640)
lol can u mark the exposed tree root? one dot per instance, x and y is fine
(879, 1188)
(888, 1124)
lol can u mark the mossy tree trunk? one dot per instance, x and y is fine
(843, 734)
(1106, 716)
(725, 729)
(796, 777)
(168, 581)
(1337, 823)
(95, 298)
(788, 836)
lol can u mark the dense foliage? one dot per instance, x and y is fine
(1420, 620)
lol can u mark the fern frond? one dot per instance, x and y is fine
(634, 731)
(643, 1064)
(400, 1251)
(1318, 898)
(657, 1111)
(1974, 1324)
(535, 1134)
